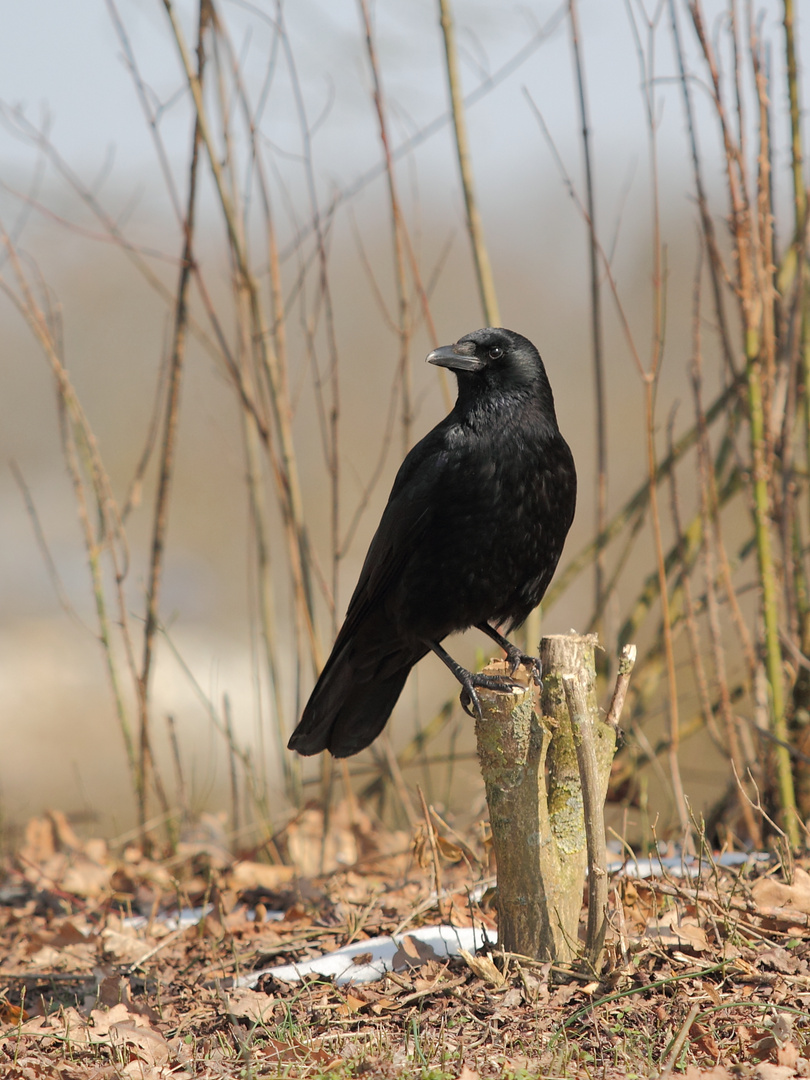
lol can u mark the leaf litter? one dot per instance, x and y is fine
(115, 963)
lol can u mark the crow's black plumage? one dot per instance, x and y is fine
(471, 536)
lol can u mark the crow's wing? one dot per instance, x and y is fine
(403, 526)
(370, 660)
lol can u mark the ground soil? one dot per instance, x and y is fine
(706, 976)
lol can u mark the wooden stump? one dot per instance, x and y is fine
(530, 761)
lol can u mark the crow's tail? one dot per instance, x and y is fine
(346, 713)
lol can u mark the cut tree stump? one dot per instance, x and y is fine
(532, 759)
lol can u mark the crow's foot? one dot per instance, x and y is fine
(516, 658)
(470, 680)
(479, 680)
(513, 653)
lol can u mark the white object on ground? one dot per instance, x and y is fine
(343, 967)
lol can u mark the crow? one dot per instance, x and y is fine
(472, 533)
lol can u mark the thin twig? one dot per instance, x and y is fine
(398, 230)
(678, 1042)
(430, 834)
(177, 760)
(596, 321)
(161, 512)
(483, 270)
(646, 59)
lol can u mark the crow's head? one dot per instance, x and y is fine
(492, 360)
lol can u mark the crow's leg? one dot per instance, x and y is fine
(470, 680)
(513, 653)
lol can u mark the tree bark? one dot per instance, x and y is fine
(528, 757)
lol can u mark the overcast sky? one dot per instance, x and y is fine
(65, 61)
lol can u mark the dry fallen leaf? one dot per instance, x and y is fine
(780, 960)
(483, 967)
(412, 953)
(114, 990)
(85, 877)
(351, 1004)
(12, 1014)
(251, 1005)
(449, 851)
(186, 964)
(384, 1004)
(273, 1050)
(70, 932)
(716, 1073)
(770, 893)
(787, 1055)
(67, 1021)
(703, 1039)
(767, 1071)
(563, 994)
(253, 875)
(104, 1019)
(149, 1045)
(686, 934)
(123, 945)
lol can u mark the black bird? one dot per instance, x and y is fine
(471, 536)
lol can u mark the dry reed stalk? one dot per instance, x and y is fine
(487, 84)
(475, 228)
(430, 836)
(86, 470)
(739, 763)
(177, 761)
(636, 506)
(649, 377)
(232, 759)
(285, 464)
(717, 269)
(250, 377)
(596, 324)
(330, 411)
(216, 347)
(794, 98)
(690, 613)
(656, 472)
(795, 266)
(266, 803)
(167, 454)
(270, 385)
(398, 233)
(752, 237)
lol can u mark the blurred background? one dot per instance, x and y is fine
(277, 383)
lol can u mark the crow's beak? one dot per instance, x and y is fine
(458, 357)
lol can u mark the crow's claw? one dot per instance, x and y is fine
(487, 682)
(513, 654)
(516, 658)
(468, 698)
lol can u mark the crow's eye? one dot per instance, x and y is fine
(496, 352)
